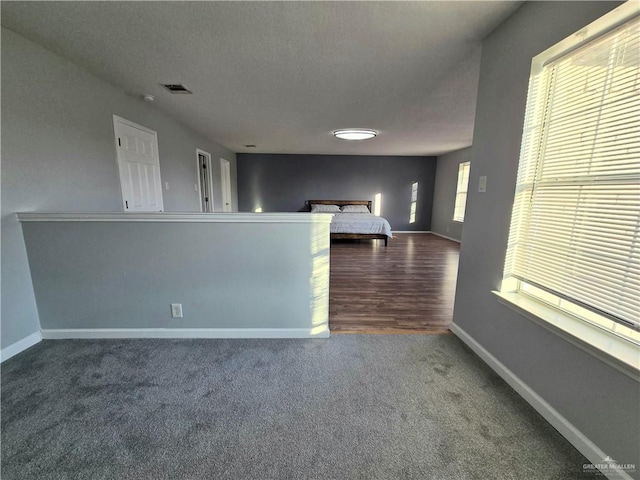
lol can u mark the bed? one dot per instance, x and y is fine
(354, 220)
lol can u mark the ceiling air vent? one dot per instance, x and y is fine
(176, 88)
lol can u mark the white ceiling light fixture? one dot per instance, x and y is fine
(355, 134)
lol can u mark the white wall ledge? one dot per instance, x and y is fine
(192, 217)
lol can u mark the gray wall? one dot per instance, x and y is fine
(444, 197)
(284, 182)
(96, 275)
(597, 399)
(58, 155)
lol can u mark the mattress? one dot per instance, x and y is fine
(360, 223)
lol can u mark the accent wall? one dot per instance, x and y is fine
(282, 183)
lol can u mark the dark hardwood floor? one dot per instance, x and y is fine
(406, 287)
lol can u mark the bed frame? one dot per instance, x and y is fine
(351, 236)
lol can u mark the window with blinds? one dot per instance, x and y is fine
(461, 191)
(574, 239)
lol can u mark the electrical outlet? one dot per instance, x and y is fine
(176, 310)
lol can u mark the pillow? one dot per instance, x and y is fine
(319, 208)
(355, 209)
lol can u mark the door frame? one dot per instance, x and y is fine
(208, 161)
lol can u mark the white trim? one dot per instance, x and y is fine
(578, 439)
(444, 236)
(64, 333)
(194, 217)
(427, 231)
(134, 125)
(19, 346)
(602, 25)
(198, 189)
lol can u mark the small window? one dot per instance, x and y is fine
(574, 242)
(414, 202)
(461, 191)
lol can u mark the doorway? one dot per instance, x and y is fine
(205, 180)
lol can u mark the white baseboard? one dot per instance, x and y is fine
(68, 333)
(412, 231)
(444, 236)
(585, 446)
(15, 348)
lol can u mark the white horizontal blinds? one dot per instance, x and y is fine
(461, 191)
(576, 216)
(530, 151)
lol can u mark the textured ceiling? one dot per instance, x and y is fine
(284, 75)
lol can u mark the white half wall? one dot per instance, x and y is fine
(235, 274)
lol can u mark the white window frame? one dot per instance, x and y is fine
(576, 325)
(462, 188)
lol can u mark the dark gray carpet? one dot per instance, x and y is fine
(350, 407)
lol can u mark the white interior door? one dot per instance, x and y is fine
(226, 185)
(139, 166)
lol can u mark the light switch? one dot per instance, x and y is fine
(166, 185)
(482, 184)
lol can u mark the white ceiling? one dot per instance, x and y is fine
(284, 75)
